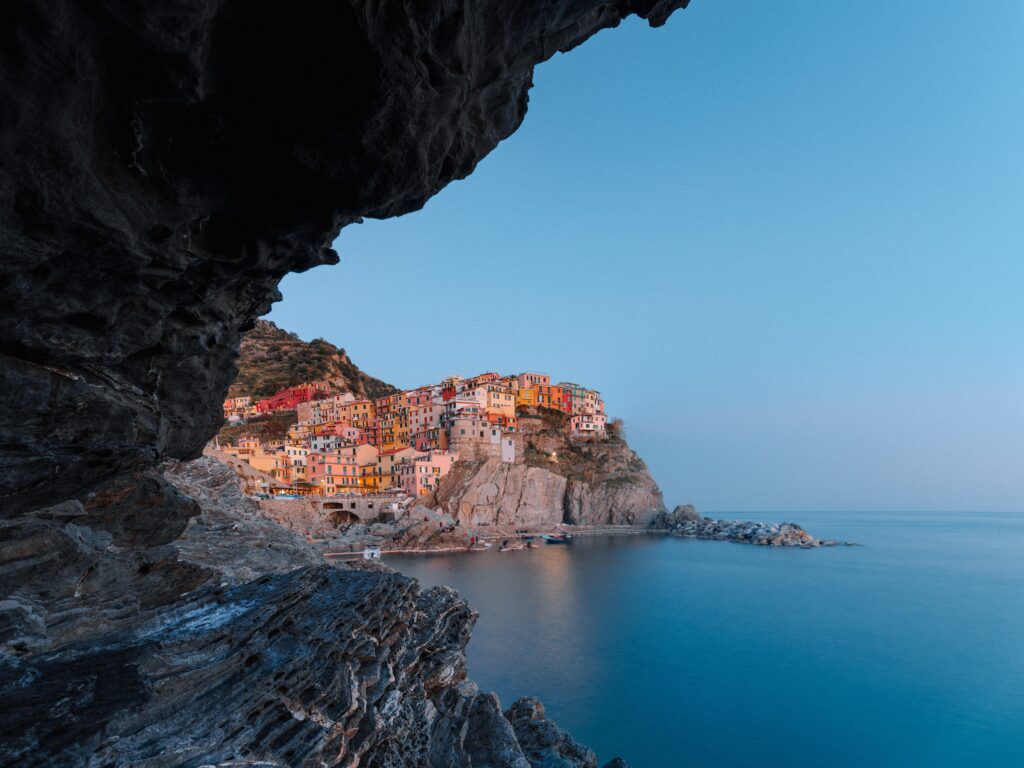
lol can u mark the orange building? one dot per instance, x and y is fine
(553, 397)
(358, 413)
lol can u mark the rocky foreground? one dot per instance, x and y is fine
(138, 246)
(237, 643)
(685, 521)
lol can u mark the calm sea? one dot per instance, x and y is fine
(907, 651)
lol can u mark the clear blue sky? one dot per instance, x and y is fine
(785, 240)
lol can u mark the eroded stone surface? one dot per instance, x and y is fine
(266, 654)
(164, 166)
(560, 480)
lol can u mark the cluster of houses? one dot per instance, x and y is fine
(405, 442)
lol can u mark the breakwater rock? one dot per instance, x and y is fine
(684, 521)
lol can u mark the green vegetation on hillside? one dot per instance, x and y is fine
(269, 428)
(272, 359)
(547, 445)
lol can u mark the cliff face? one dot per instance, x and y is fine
(164, 166)
(601, 482)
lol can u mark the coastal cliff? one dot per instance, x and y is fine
(165, 166)
(240, 644)
(557, 480)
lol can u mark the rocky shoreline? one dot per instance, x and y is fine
(258, 652)
(686, 522)
(420, 529)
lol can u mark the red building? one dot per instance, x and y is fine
(507, 423)
(288, 399)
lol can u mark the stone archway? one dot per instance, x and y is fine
(338, 515)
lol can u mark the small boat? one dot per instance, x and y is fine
(551, 538)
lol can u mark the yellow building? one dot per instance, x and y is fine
(386, 462)
(358, 413)
(501, 402)
(369, 478)
(273, 464)
(526, 398)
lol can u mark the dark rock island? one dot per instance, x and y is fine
(685, 521)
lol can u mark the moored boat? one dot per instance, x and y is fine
(553, 538)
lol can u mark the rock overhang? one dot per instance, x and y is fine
(166, 166)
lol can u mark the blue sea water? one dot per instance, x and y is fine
(907, 651)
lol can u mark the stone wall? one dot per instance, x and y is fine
(318, 515)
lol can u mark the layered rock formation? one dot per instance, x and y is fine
(164, 166)
(587, 482)
(269, 655)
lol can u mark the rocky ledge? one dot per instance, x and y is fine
(137, 245)
(244, 647)
(685, 521)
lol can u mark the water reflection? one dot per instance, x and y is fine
(904, 652)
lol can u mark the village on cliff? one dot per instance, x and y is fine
(403, 443)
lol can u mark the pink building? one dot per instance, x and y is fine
(423, 417)
(422, 395)
(331, 472)
(530, 379)
(423, 473)
(588, 424)
(338, 471)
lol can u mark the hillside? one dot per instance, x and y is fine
(272, 359)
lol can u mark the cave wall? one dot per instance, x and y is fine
(162, 167)
(165, 164)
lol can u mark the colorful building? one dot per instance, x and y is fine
(288, 399)
(552, 396)
(333, 472)
(408, 439)
(531, 379)
(422, 473)
(526, 398)
(237, 406)
(588, 424)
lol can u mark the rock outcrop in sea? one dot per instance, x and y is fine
(685, 521)
(165, 165)
(558, 480)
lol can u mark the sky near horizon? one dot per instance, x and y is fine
(785, 240)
